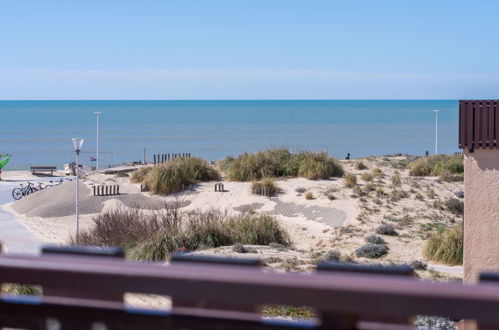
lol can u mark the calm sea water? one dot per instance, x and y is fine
(40, 132)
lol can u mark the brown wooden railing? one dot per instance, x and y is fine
(478, 124)
(86, 292)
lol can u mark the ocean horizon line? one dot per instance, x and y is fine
(221, 100)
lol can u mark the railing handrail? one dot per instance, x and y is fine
(338, 292)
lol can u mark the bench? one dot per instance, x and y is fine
(43, 169)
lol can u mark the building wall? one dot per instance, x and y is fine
(481, 212)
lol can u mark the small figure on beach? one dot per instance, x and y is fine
(348, 156)
(426, 153)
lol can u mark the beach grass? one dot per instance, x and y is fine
(445, 247)
(171, 176)
(274, 163)
(439, 165)
(139, 175)
(153, 236)
(265, 185)
(350, 180)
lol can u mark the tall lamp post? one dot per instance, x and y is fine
(77, 144)
(436, 131)
(97, 114)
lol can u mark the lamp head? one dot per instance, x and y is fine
(77, 144)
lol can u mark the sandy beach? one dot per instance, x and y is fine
(334, 219)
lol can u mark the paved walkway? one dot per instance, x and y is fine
(15, 238)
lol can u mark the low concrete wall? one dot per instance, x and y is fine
(481, 212)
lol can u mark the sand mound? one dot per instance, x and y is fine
(59, 201)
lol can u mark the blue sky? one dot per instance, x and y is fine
(252, 49)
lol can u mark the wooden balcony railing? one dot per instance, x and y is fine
(478, 124)
(86, 292)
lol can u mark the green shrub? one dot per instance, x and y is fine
(455, 206)
(386, 230)
(350, 180)
(437, 165)
(366, 176)
(445, 247)
(360, 165)
(372, 251)
(155, 235)
(281, 162)
(169, 177)
(375, 239)
(258, 187)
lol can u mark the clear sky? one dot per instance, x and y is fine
(249, 49)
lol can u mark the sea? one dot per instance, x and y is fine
(39, 133)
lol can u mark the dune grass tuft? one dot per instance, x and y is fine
(169, 177)
(455, 206)
(309, 195)
(445, 247)
(273, 163)
(366, 176)
(259, 187)
(360, 165)
(396, 180)
(350, 180)
(153, 236)
(139, 175)
(377, 173)
(439, 165)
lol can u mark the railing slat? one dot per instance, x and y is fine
(339, 292)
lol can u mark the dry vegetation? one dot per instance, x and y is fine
(155, 235)
(171, 176)
(264, 186)
(273, 163)
(403, 206)
(446, 246)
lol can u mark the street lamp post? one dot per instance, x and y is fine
(77, 144)
(436, 131)
(97, 114)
